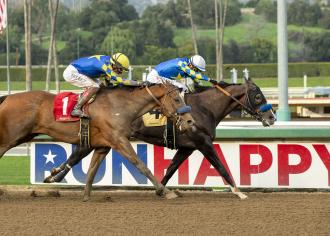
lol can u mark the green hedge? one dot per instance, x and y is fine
(312, 69)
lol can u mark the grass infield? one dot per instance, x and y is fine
(15, 170)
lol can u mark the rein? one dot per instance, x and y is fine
(162, 107)
(255, 114)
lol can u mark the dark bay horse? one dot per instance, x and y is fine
(208, 109)
(25, 115)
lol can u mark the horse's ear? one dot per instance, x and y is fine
(248, 80)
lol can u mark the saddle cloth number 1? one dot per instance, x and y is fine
(63, 105)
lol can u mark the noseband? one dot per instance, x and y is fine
(257, 113)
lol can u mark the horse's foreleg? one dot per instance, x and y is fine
(98, 156)
(179, 157)
(210, 154)
(126, 150)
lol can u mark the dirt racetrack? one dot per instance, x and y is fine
(143, 213)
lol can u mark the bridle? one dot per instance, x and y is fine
(175, 116)
(257, 113)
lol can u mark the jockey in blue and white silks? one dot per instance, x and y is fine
(175, 69)
(87, 73)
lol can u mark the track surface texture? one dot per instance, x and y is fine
(62, 212)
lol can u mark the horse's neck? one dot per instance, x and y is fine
(134, 103)
(215, 104)
(145, 101)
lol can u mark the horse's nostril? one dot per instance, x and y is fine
(190, 122)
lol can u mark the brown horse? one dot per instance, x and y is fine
(209, 107)
(25, 115)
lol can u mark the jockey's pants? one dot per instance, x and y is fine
(154, 77)
(72, 75)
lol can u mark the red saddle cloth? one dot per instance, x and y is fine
(63, 105)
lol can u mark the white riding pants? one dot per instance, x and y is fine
(154, 77)
(72, 75)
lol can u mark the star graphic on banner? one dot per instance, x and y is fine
(50, 157)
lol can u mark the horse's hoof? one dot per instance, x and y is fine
(86, 198)
(55, 171)
(242, 196)
(49, 179)
(170, 195)
(160, 192)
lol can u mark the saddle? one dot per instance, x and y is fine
(63, 105)
(154, 119)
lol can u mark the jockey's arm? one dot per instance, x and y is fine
(112, 77)
(196, 76)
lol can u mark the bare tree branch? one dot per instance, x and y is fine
(193, 27)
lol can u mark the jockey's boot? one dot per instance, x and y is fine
(88, 94)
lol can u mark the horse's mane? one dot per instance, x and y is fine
(123, 87)
(2, 99)
(200, 89)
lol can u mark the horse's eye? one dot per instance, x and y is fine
(177, 100)
(258, 98)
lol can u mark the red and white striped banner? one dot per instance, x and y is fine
(3, 15)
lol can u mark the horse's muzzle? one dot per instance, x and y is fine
(186, 122)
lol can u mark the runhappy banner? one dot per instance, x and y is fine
(251, 164)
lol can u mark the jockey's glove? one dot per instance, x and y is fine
(214, 82)
(131, 83)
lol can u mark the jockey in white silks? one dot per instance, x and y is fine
(177, 69)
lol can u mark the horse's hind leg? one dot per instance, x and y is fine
(98, 156)
(3, 150)
(58, 174)
(179, 157)
(124, 147)
(5, 146)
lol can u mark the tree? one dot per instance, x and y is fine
(319, 46)
(153, 55)
(101, 15)
(27, 24)
(177, 13)
(268, 9)
(301, 12)
(193, 27)
(325, 20)
(264, 51)
(120, 40)
(52, 57)
(39, 23)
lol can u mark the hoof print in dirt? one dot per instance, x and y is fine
(33, 194)
(178, 193)
(53, 194)
(45, 194)
(108, 199)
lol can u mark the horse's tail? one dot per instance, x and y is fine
(2, 99)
